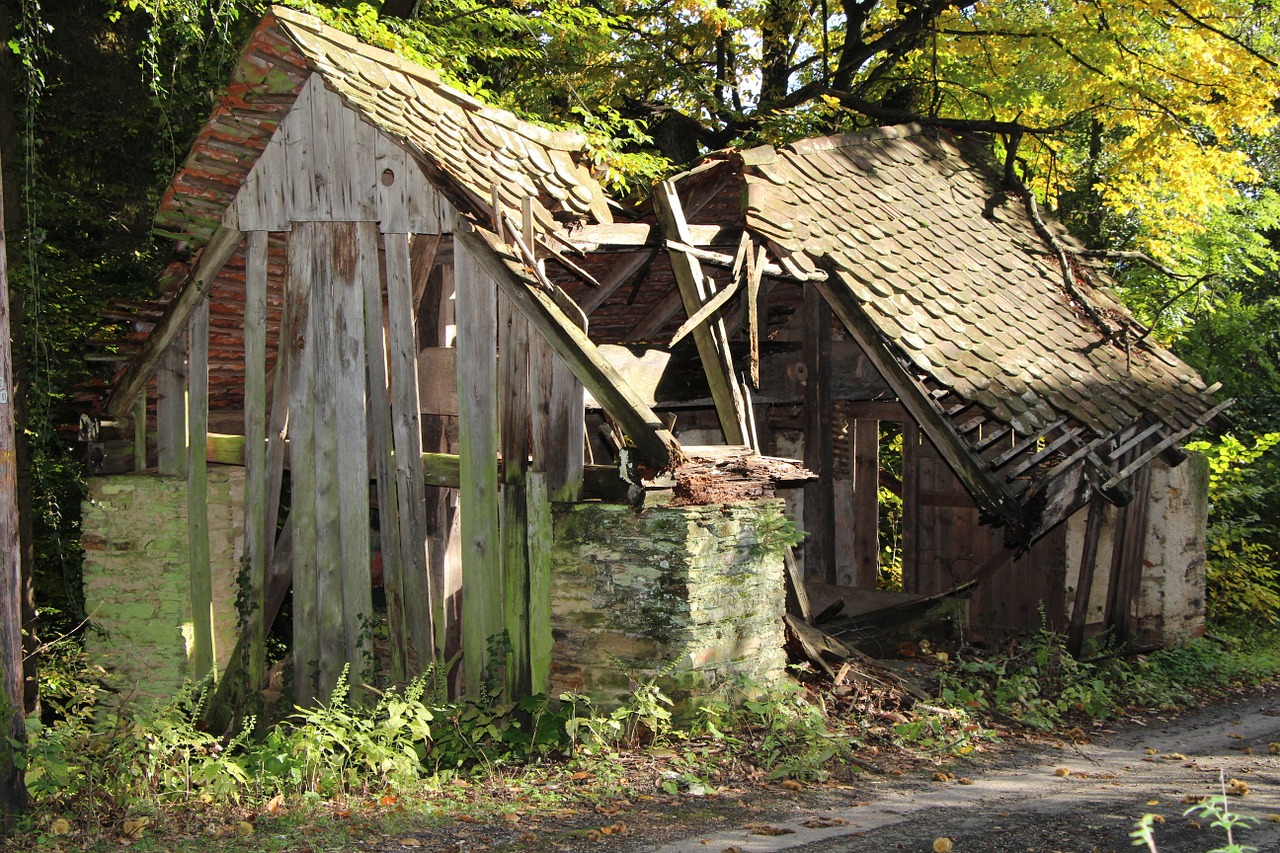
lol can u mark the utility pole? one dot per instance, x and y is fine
(13, 728)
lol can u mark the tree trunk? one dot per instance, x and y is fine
(398, 8)
(13, 792)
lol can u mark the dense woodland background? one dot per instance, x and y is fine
(1149, 126)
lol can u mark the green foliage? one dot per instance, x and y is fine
(1216, 810)
(1242, 575)
(788, 734)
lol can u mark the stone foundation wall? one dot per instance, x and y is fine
(136, 575)
(696, 591)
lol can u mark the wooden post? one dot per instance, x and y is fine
(355, 251)
(171, 413)
(420, 608)
(383, 441)
(140, 431)
(540, 538)
(556, 409)
(866, 503)
(328, 500)
(302, 475)
(513, 399)
(202, 651)
(482, 613)
(819, 515)
(255, 453)
(13, 730)
(1084, 584)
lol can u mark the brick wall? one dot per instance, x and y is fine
(136, 575)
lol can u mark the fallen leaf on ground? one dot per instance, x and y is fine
(767, 829)
(821, 822)
(409, 842)
(792, 785)
(133, 827)
(943, 845)
(1062, 772)
(60, 826)
(275, 804)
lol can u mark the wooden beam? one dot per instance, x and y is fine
(1165, 443)
(621, 236)
(140, 431)
(192, 292)
(711, 339)
(255, 475)
(619, 274)
(654, 442)
(819, 494)
(866, 503)
(991, 495)
(202, 652)
(482, 598)
(712, 305)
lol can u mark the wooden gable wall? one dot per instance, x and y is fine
(327, 163)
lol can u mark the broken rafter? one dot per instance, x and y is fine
(1163, 444)
(721, 259)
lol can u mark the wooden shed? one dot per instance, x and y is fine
(426, 317)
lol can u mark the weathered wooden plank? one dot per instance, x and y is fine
(286, 357)
(866, 503)
(383, 442)
(618, 275)
(513, 436)
(711, 340)
(299, 159)
(622, 236)
(355, 251)
(438, 382)
(213, 257)
(556, 420)
(1084, 583)
(482, 605)
(202, 651)
(302, 475)
(540, 541)
(420, 603)
(140, 431)
(325, 237)
(422, 261)
(255, 475)
(991, 495)
(653, 441)
(323, 154)
(819, 510)
(171, 413)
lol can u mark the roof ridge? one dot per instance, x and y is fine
(818, 144)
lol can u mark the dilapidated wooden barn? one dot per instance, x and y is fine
(428, 320)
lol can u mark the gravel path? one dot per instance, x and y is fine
(1023, 804)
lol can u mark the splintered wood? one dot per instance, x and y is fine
(711, 475)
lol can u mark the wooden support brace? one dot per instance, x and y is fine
(202, 651)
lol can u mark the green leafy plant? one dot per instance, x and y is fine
(1216, 810)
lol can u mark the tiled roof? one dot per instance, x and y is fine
(957, 282)
(465, 147)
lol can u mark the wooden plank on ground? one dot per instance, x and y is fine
(653, 440)
(482, 605)
(255, 474)
(302, 475)
(540, 541)
(202, 651)
(420, 603)
(513, 433)
(355, 251)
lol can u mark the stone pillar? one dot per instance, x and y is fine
(695, 592)
(1171, 599)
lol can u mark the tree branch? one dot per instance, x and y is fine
(1199, 22)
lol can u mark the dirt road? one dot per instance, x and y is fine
(1023, 803)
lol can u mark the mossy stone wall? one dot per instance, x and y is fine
(696, 592)
(137, 576)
